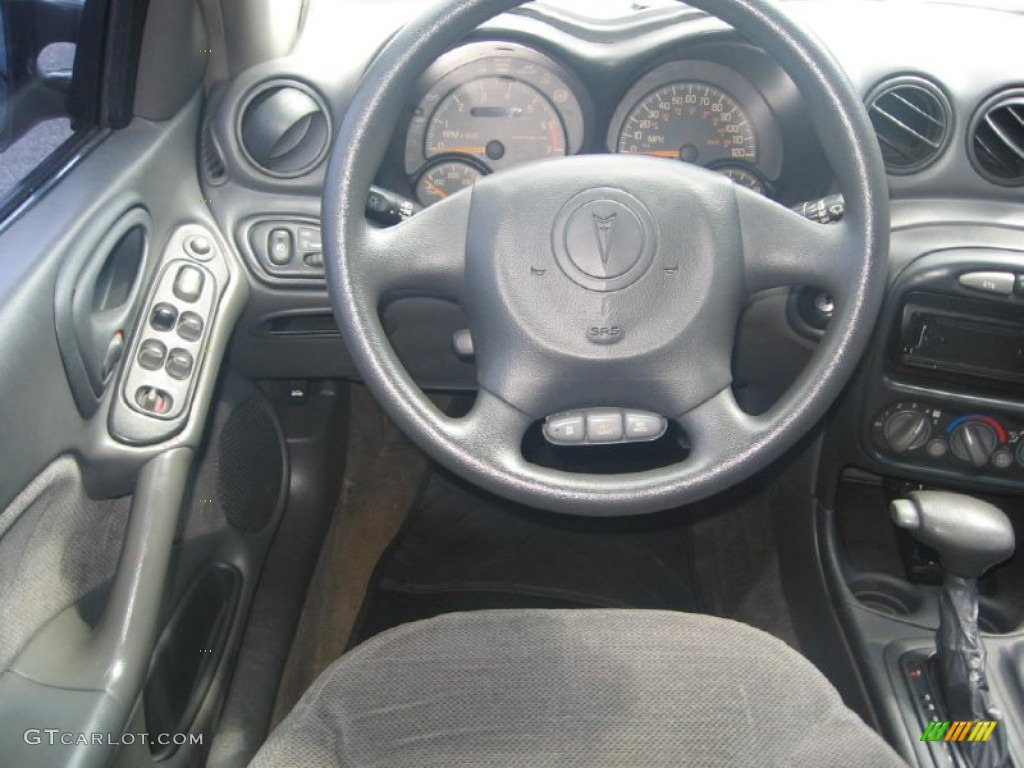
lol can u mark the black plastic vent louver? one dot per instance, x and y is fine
(912, 120)
(996, 139)
(284, 129)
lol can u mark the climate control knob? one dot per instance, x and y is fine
(974, 442)
(906, 430)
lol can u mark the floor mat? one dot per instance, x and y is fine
(463, 549)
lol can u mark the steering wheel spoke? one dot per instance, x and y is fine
(492, 431)
(425, 254)
(782, 248)
(718, 429)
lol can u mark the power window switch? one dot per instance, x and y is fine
(280, 248)
(566, 428)
(164, 317)
(641, 426)
(152, 354)
(179, 364)
(604, 426)
(190, 326)
(188, 284)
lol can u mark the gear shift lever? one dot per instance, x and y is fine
(970, 536)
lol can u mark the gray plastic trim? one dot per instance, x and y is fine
(107, 665)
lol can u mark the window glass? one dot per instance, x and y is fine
(39, 68)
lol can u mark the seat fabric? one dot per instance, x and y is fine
(573, 688)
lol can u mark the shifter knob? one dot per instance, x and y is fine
(970, 535)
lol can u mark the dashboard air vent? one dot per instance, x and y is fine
(996, 139)
(284, 128)
(912, 119)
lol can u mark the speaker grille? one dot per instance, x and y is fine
(250, 467)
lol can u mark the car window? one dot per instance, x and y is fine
(41, 74)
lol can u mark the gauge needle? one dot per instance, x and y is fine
(436, 189)
(467, 150)
(674, 153)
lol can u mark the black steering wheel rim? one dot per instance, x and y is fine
(728, 445)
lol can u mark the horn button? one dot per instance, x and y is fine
(583, 294)
(605, 239)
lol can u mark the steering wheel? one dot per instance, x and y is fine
(605, 280)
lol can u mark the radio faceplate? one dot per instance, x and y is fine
(945, 393)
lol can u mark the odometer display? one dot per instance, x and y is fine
(689, 121)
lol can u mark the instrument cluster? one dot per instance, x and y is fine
(489, 106)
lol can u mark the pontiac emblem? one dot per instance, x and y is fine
(605, 226)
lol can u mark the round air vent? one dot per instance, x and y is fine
(996, 139)
(912, 119)
(284, 128)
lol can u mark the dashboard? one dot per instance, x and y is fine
(943, 85)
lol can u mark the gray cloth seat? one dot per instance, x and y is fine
(573, 688)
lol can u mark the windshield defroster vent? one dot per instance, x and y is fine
(912, 119)
(284, 128)
(996, 140)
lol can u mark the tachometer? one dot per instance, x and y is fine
(497, 104)
(500, 120)
(690, 121)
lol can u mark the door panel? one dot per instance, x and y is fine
(88, 530)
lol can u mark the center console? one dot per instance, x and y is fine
(938, 405)
(947, 400)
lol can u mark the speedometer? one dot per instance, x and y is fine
(690, 121)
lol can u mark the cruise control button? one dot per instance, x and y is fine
(190, 326)
(164, 317)
(188, 285)
(604, 426)
(314, 260)
(644, 426)
(279, 247)
(154, 400)
(179, 364)
(565, 428)
(152, 354)
(1000, 283)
